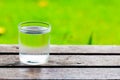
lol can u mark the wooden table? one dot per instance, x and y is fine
(65, 62)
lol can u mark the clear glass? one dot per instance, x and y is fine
(34, 42)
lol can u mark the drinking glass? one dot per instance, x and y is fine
(34, 42)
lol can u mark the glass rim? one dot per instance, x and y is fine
(42, 22)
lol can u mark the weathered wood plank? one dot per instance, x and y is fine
(85, 49)
(66, 60)
(59, 73)
(70, 48)
(71, 60)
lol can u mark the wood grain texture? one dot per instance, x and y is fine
(60, 73)
(64, 60)
(70, 48)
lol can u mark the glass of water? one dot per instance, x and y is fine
(34, 42)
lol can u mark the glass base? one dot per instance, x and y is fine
(34, 59)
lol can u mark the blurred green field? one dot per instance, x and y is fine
(73, 21)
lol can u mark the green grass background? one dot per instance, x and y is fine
(73, 21)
